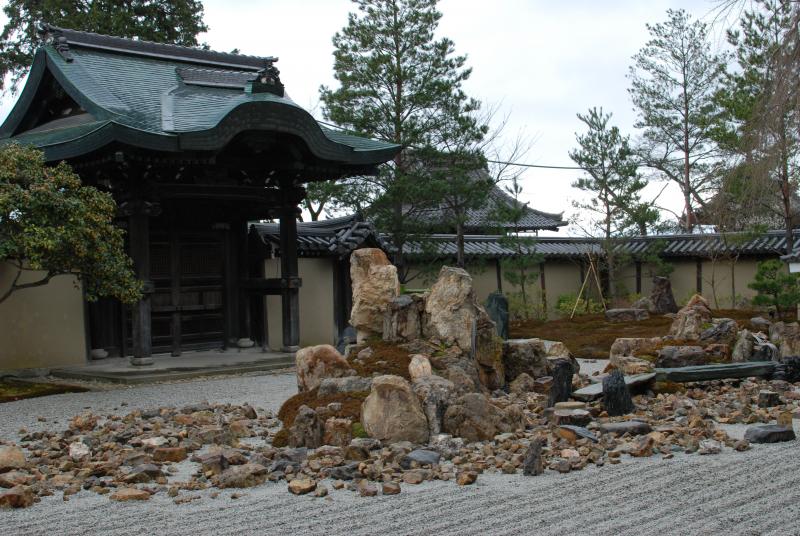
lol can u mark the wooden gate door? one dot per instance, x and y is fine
(187, 272)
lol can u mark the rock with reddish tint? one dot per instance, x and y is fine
(338, 432)
(12, 458)
(534, 463)
(169, 454)
(301, 486)
(524, 383)
(768, 399)
(574, 433)
(392, 412)
(315, 363)
(84, 422)
(130, 494)
(17, 497)
(466, 478)
(391, 488)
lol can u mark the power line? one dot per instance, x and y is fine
(541, 166)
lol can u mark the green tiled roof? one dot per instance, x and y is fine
(170, 98)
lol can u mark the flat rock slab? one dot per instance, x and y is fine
(421, 456)
(594, 391)
(769, 433)
(626, 427)
(626, 315)
(572, 433)
(719, 371)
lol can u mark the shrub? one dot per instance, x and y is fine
(566, 303)
(775, 286)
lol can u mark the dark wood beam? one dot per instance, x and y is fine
(290, 297)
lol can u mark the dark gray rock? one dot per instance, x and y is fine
(788, 370)
(661, 296)
(635, 383)
(344, 472)
(307, 430)
(561, 390)
(497, 308)
(681, 356)
(768, 399)
(292, 454)
(421, 456)
(348, 384)
(616, 397)
(626, 315)
(769, 433)
(632, 427)
(723, 330)
(347, 337)
(533, 464)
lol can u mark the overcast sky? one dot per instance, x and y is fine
(541, 61)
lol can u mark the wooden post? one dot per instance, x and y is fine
(175, 290)
(499, 271)
(242, 242)
(290, 296)
(139, 232)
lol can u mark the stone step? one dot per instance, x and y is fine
(595, 390)
(718, 371)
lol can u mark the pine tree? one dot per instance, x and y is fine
(177, 22)
(673, 81)
(399, 83)
(612, 176)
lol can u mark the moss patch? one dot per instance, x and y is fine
(386, 358)
(591, 336)
(351, 409)
(12, 390)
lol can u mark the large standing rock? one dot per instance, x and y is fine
(691, 321)
(307, 429)
(533, 464)
(403, 318)
(616, 397)
(434, 393)
(561, 389)
(315, 363)
(419, 367)
(661, 296)
(455, 317)
(722, 331)
(375, 284)
(528, 356)
(497, 309)
(681, 356)
(474, 418)
(392, 412)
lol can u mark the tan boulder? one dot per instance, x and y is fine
(626, 354)
(528, 356)
(12, 458)
(315, 363)
(786, 336)
(691, 320)
(301, 486)
(375, 284)
(402, 320)
(338, 432)
(17, 497)
(307, 429)
(392, 412)
(419, 367)
(452, 309)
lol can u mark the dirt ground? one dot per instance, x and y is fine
(591, 336)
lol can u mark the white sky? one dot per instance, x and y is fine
(541, 61)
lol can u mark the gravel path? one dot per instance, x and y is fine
(755, 492)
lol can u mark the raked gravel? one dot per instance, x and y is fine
(755, 492)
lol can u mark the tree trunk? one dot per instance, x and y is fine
(786, 191)
(460, 262)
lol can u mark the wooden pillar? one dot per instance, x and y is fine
(499, 272)
(244, 332)
(175, 290)
(290, 295)
(638, 277)
(230, 284)
(139, 235)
